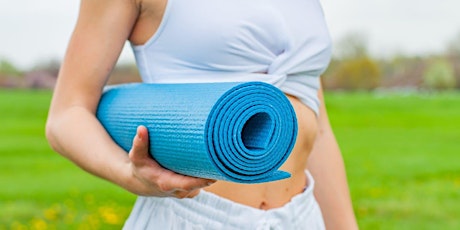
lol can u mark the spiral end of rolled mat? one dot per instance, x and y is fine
(251, 130)
(240, 132)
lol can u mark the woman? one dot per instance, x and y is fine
(284, 43)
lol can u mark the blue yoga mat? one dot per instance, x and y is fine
(240, 132)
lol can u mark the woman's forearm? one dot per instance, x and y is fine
(331, 188)
(327, 167)
(77, 135)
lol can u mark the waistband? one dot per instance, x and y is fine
(211, 210)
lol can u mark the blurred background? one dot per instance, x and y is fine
(392, 91)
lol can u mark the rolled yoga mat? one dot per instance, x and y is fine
(240, 132)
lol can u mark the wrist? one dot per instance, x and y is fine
(130, 182)
(126, 179)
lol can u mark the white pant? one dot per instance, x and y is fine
(208, 211)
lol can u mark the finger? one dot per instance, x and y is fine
(143, 133)
(193, 193)
(185, 194)
(170, 181)
(140, 148)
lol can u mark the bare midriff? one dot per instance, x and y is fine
(262, 196)
(278, 193)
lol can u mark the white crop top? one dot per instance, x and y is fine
(282, 42)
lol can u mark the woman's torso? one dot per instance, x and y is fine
(264, 57)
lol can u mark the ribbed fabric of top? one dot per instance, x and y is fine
(240, 132)
(284, 43)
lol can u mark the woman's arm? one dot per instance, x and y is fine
(72, 129)
(327, 167)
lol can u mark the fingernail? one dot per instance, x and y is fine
(138, 133)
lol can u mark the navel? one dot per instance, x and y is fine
(263, 205)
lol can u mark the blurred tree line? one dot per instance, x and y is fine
(44, 75)
(352, 68)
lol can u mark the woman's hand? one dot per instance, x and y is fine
(153, 180)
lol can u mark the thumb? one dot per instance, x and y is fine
(140, 148)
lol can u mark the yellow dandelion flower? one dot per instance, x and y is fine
(51, 214)
(109, 215)
(39, 224)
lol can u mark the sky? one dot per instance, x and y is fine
(34, 32)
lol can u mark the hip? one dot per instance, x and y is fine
(209, 211)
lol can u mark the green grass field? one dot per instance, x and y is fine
(401, 152)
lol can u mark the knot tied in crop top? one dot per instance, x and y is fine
(282, 42)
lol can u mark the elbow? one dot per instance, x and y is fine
(51, 134)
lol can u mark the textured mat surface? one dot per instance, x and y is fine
(240, 132)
